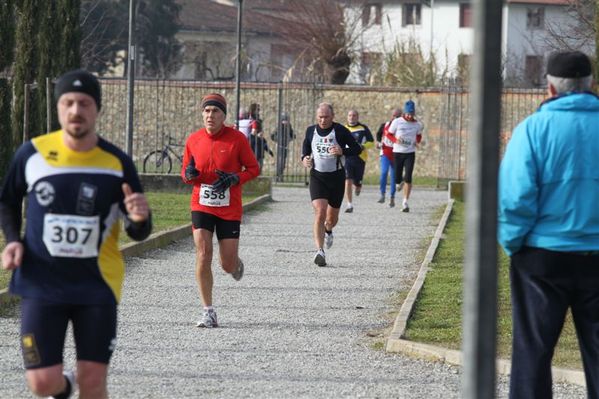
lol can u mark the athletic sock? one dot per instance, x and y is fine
(349, 205)
(208, 308)
(67, 391)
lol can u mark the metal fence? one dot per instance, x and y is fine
(167, 111)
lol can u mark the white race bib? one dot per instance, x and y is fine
(405, 140)
(323, 148)
(209, 197)
(71, 236)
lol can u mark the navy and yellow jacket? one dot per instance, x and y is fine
(74, 204)
(363, 136)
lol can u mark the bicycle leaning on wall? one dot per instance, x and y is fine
(161, 161)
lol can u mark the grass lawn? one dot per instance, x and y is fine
(437, 317)
(168, 211)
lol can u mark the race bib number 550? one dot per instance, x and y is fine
(209, 197)
(71, 236)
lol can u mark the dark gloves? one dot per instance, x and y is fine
(224, 181)
(191, 173)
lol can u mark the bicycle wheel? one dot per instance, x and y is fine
(158, 162)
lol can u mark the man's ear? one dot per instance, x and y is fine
(551, 90)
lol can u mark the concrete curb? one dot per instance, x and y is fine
(401, 321)
(160, 239)
(396, 344)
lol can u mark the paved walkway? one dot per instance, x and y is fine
(289, 329)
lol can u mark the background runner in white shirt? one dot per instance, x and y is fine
(406, 133)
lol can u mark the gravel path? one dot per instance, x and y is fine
(289, 329)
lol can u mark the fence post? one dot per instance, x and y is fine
(280, 139)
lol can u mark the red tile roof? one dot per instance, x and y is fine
(209, 16)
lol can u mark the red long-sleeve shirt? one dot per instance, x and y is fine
(228, 151)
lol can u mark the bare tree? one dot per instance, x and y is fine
(324, 35)
(575, 32)
(104, 34)
(104, 24)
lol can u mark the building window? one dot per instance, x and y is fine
(372, 14)
(533, 69)
(535, 18)
(465, 15)
(411, 14)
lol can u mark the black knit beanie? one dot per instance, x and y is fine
(79, 81)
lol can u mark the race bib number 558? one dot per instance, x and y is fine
(71, 236)
(209, 197)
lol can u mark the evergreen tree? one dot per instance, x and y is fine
(7, 33)
(66, 31)
(25, 62)
(46, 38)
(70, 35)
(7, 38)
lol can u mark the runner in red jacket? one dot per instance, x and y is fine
(217, 160)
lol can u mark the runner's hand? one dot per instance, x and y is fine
(224, 181)
(136, 204)
(307, 161)
(12, 255)
(336, 150)
(191, 173)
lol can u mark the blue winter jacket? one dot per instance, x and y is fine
(549, 178)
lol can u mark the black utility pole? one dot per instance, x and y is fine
(238, 67)
(480, 270)
(130, 78)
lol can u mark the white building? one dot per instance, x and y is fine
(444, 28)
(208, 36)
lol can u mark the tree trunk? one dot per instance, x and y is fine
(338, 68)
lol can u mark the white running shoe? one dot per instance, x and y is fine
(319, 258)
(208, 319)
(328, 239)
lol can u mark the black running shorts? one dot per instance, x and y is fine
(404, 166)
(328, 185)
(44, 326)
(224, 228)
(354, 169)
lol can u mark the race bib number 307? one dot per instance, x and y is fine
(71, 236)
(209, 197)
